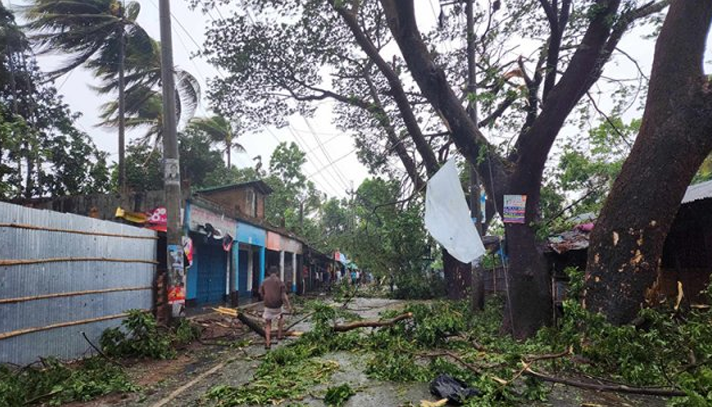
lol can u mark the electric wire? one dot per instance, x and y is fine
(324, 151)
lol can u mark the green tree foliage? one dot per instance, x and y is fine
(56, 383)
(144, 107)
(588, 169)
(584, 174)
(91, 33)
(226, 176)
(42, 153)
(199, 163)
(221, 132)
(292, 189)
(383, 236)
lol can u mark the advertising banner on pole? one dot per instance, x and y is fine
(514, 208)
(176, 292)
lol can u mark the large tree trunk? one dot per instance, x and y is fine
(528, 305)
(521, 172)
(458, 277)
(528, 300)
(675, 137)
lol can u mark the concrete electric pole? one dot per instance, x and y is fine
(175, 282)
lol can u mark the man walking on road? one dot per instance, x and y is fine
(274, 295)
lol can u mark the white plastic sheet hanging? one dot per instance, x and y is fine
(447, 216)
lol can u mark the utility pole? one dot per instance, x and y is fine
(122, 104)
(175, 283)
(475, 211)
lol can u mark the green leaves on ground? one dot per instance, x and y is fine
(276, 383)
(56, 383)
(338, 395)
(667, 348)
(142, 337)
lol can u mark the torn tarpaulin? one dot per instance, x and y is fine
(447, 216)
(575, 239)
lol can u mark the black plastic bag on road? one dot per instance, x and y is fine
(454, 390)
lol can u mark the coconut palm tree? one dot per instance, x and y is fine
(220, 131)
(147, 76)
(97, 34)
(144, 106)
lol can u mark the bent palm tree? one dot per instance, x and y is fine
(220, 131)
(144, 107)
(98, 34)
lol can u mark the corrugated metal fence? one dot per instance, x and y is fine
(63, 274)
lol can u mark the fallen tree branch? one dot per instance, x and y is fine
(535, 358)
(256, 325)
(528, 362)
(648, 391)
(349, 298)
(295, 323)
(372, 324)
(100, 352)
(454, 356)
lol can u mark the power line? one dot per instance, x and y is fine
(300, 141)
(334, 162)
(339, 178)
(308, 177)
(324, 151)
(66, 78)
(325, 143)
(302, 146)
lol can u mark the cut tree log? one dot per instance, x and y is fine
(257, 326)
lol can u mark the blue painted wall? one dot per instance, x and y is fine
(249, 234)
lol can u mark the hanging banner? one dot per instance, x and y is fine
(158, 219)
(188, 250)
(514, 208)
(176, 278)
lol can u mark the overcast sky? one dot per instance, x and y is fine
(188, 35)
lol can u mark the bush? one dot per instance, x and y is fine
(141, 336)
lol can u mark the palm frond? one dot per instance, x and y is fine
(187, 96)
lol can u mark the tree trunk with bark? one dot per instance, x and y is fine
(521, 173)
(458, 277)
(528, 305)
(528, 302)
(675, 137)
